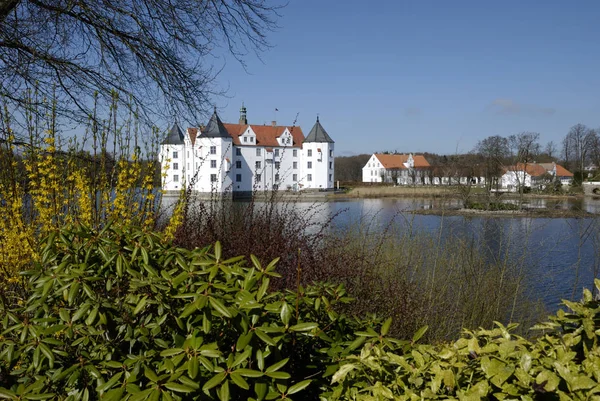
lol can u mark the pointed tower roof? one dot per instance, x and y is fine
(215, 128)
(318, 134)
(174, 137)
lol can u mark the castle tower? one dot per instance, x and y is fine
(317, 158)
(172, 159)
(215, 151)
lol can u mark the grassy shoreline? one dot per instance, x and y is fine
(428, 191)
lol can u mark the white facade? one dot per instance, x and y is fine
(397, 169)
(513, 180)
(223, 158)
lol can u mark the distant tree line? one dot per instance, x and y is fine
(579, 152)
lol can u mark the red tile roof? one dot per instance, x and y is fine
(192, 132)
(266, 135)
(539, 169)
(562, 172)
(397, 161)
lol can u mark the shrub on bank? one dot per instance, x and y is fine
(122, 314)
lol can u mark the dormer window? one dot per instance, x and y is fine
(245, 139)
(251, 140)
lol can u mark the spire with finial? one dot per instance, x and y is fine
(318, 134)
(243, 119)
(215, 128)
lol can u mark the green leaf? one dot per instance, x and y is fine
(241, 357)
(178, 387)
(261, 390)
(7, 394)
(239, 380)
(279, 375)
(277, 365)
(299, 386)
(171, 352)
(113, 380)
(243, 340)
(114, 394)
(218, 251)
(44, 396)
(304, 326)
(150, 374)
(193, 366)
(47, 353)
(249, 372)
(224, 391)
(214, 381)
(140, 305)
(264, 337)
(219, 307)
(340, 375)
(286, 313)
(419, 334)
(385, 328)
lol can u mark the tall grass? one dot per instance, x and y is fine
(418, 277)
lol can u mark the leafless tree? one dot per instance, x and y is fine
(524, 149)
(154, 54)
(578, 145)
(551, 150)
(494, 150)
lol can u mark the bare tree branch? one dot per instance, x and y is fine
(152, 53)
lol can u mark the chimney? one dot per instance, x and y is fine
(274, 123)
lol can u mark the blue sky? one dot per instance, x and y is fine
(418, 76)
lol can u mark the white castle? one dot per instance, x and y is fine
(242, 157)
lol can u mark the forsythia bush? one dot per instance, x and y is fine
(47, 183)
(122, 314)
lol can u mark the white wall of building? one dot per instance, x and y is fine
(317, 165)
(373, 170)
(512, 180)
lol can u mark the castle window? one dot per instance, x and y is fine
(257, 164)
(213, 178)
(331, 153)
(276, 177)
(277, 165)
(294, 177)
(213, 150)
(295, 165)
(257, 151)
(175, 166)
(238, 164)
(330, 165)
(175, 178)
(245, 139)
(295, 153)
(238, 151)
(238, 178)
(309, 152)
(252, 139)
(309, 165)
(276, 152)
(175, 154)
(309, 177)
(258, 176)
(330, 177)
(213, 164)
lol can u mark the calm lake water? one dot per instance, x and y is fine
(560, 255)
